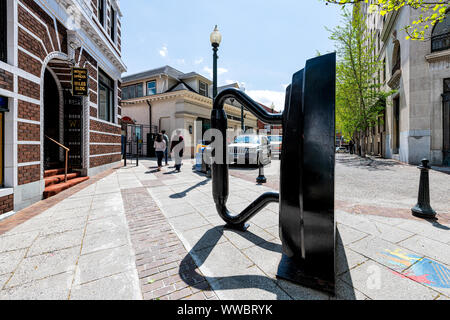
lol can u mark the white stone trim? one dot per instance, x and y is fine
(30, 54)
(42, 22)
(106, 133)
(19, 72)
(31, 34)
(27, 164)
(7, 215)
(106, 122)
(6, 192)
(29, 142)
(28, 121)
(105, 144)
(105, 154)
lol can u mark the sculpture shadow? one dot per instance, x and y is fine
(184, 193)
(203, 248)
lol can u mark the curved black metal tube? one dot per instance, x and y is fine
(255, 108)
(220, 178)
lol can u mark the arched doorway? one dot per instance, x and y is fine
(52, 159)
(63, 118)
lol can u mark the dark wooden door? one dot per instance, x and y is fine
(446, 118)
(73, 129)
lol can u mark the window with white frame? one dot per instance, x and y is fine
(106, 97)
(151, 88)
(101, 11)
(133, 91)
(203, 88)
(113, 25)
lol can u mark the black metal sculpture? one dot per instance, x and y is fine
(307, 224)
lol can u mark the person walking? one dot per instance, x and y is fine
(166, 152)
(160, 147)
(177, 148)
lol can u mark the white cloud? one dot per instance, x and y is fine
(267, 97)
(241, 84)
(163, 52)
(199, 61)
(209, 71)
(181, 61)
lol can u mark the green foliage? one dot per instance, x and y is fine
(431, 12)
(359, 98)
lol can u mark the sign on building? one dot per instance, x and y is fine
(80, 86)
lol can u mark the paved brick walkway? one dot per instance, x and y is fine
(159, 252)
(136, 233)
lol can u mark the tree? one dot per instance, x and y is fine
(359, 98)
(432, 12)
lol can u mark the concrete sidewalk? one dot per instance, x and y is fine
(139, 233)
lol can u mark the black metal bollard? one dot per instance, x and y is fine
(423, 208)
(261, 178)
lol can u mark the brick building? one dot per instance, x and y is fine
(40, 42)
(271, 129)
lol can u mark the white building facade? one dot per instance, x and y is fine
(417, 120)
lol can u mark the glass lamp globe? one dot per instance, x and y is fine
(216, 37)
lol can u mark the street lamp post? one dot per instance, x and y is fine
(215, 38)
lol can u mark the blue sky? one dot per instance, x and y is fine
(264, 42)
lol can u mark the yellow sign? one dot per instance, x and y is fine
(80, 86)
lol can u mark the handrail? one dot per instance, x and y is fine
(67, 155)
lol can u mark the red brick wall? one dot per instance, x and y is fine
(104, 138)
(29, 88)
(31, 44)
(29, 64)
(28, 132)
(29, 174)
(6, 204)
(29, 153)
(6, 80)
(100, 161)
(35, 27)
(29, 111)
(104, 127)
(96, 149)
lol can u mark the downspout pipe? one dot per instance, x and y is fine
(220, 174)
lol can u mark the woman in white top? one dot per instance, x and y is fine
(160, 146)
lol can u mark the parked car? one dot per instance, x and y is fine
(276, 143)
(341, 150)
(250, 149)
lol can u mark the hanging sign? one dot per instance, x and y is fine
(80, 86)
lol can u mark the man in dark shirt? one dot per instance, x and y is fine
(166, 153)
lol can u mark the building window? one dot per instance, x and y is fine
(440, 37)
(447, 85)
(396, 58)
(101, 12)
(106, 97)
(113, 25)
(132, 92)
(151, 88)
(2, 139)
(3, 31)
(203, 88)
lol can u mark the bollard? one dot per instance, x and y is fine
(423, 208)
(261, 179)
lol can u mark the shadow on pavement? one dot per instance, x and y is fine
(203, 248)
(370, 164)
(184, 193)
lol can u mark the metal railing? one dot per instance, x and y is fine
(67, 155)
